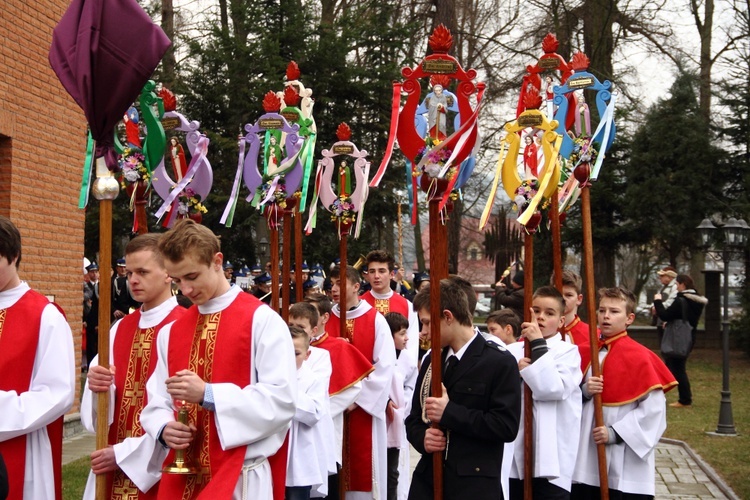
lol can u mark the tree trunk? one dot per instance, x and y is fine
(705, 29)
(168, 61)
(445, 13)
(224, 17)
(454, 236)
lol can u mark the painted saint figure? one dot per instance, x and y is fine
(437, 108)
(177, 154)
(273, 156)
(530, 158)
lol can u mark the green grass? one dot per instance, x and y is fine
(74, 478)
(728, 456)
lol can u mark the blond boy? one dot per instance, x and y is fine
(231, 359)
(634, 406)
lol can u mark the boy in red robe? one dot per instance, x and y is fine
(37, 379)
(632, 384)
(230, 359)
(368, 331)
(133, 460)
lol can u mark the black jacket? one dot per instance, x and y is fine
(694, 302)
(513, 299)
(483, 413)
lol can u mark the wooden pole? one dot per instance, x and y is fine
(140, 213)
(345, 466)
(588, 256)
(286, 252)
(299, 283)
(105, 189)
(438, 271)
(528, 408)
(554, 216)
(274, 234)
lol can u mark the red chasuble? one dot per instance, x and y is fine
(19, 339)
(134, 349)
(361, 332)
(396, 303)
(578, 333)
(630, 371)
(196, 341)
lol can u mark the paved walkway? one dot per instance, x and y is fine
(680, 472)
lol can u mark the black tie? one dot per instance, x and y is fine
(450, 366)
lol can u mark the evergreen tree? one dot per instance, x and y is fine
(675, 176)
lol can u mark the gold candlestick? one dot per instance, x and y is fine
(180, 464)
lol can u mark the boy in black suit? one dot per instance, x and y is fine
(479, 411)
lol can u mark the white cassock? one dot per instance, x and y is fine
(306, 464)
(631, 464)
(374, 398)
(320, 364)
(50, 395)
(554, 380)
(408, 364)
(256, 416)
(140, 458)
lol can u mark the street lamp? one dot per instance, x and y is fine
(263, 251)
(735, 233)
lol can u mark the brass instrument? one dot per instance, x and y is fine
(360, 262)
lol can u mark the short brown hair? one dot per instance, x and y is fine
(299, 333)
(146, 242)
(380, 256)
(468, 288)
(552, 293)
(305, 310)
(504, 317)
(571, 279)
(10, 241)
(620, 293)
(188, 237)
(321, 302)
(396, 321)
(452, 298)
(352, 275)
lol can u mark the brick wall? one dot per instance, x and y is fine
(42, 147)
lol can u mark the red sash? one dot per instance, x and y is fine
(135, 349)
(630, 371)
(19, 339)
(395, 303)
(212, 339)
(361, 331)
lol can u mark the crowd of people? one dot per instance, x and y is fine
(329, 402)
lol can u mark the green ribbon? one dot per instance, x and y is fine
(83, 197)
(307, 158)
(156, 141)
